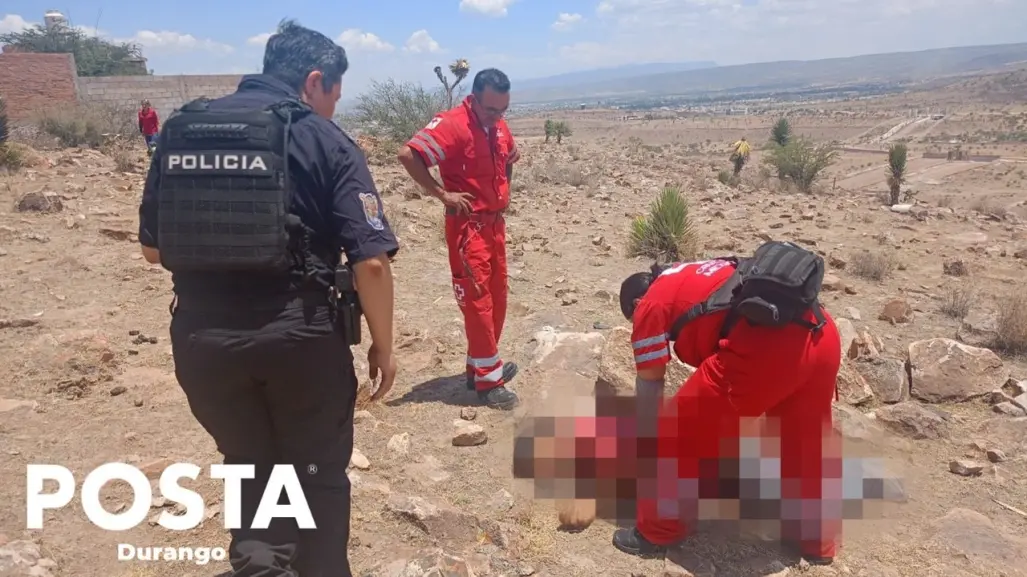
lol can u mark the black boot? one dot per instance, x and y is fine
(509, 372)
(499, 398)
(632, 542)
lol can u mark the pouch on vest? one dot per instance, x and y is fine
(775, 287)
(225, 195)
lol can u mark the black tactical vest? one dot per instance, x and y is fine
(224, 192)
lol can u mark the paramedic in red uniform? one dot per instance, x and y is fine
(474, 151)
(787, 373)
(149, 125)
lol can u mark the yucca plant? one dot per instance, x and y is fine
(781, 132)
(459, 68)
(897, 154)
(550, 128)
(667, 233)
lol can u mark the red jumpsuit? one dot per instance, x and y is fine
(473, 160)
(786, 373)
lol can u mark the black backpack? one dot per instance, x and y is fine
(775, 287)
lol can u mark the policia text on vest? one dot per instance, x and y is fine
(239, 163)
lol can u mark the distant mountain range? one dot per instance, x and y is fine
(698, 77)
(573, 79)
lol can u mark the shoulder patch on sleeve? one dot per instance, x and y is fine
(434, 122)
(373, 210)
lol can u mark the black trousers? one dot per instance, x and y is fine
(275, 387)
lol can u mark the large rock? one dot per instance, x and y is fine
(887, 378)
(617, 367)
(578, 352)
(24, 559)
(848, 333)
(436, 563)
(978, 329)
(1009, 434)
(944, 370)
(443, 524)
(40, 202)
(974, 536)
(914, 420)
(852, 388)
(854, 425)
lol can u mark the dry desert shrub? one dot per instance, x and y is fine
(565, 174)
(88, 125)
(12, 156)
(1011, 324)
(873, 266)
(986, 206)
(958, 300)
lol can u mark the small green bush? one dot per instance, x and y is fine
(801, 162)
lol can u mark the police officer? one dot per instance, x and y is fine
(249, 201)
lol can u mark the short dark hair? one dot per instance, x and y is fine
(633, 288)
(490, 78)
(293, 52)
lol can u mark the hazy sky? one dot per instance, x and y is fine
(529, 38)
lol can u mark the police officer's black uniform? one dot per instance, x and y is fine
(255, 340)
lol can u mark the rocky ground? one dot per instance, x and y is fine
(918, 292)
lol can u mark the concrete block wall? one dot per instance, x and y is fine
(30, 83)
(165, 93)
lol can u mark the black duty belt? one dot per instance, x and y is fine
(242, 303)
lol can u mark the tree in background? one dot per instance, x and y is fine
(896, 171)
(801, 161)
(94, 56)
(561, 129)
(550, 128)
(781, 132)
(460, 68)
(396, 110)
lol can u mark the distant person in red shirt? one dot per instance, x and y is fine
(762, 345)
(149, 125)
(474, 150)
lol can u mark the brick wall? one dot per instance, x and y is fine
(31, 82)
(165, 93)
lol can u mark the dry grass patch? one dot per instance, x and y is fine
(566, 174)
(986, 206)
(1011, 324)
(958, 300)
(875, 266)
(88, 125)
